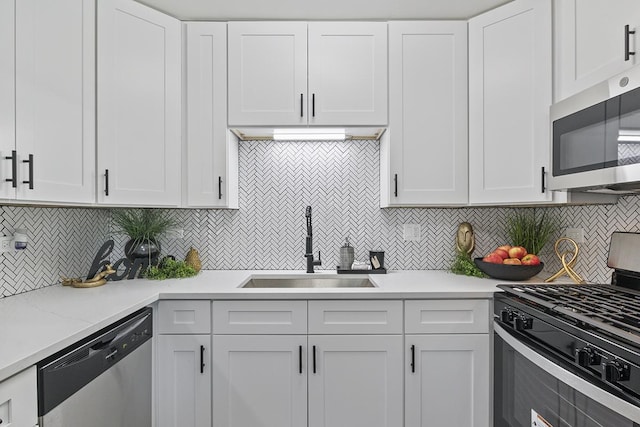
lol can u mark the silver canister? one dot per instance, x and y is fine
(346, 255)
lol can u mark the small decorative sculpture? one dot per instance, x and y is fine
(465, 240)
(193, 259)
(98, 280)
(567, 265)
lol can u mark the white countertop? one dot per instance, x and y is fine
(36, 324)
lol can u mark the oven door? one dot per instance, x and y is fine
(530, 390)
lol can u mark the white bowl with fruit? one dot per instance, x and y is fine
(510, 263)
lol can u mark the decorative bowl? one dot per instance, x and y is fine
(508, 271)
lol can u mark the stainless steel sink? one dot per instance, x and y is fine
(309, 282)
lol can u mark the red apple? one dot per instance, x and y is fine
(493, 258)
(503, 254)
(505, 248)
(517, 252)
(512, 261)
(530, 259)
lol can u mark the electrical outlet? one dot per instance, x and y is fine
(6, 243)
(175, 233)
(411, 232)
(575, 234)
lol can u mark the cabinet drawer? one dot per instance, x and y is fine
(18, 399)
(446, 316)
(355, 317)
(259, 317)
(184, 317)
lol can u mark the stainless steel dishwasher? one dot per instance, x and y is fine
(104, 380)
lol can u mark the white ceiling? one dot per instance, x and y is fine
(322, 9)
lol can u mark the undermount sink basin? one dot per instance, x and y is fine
(309, 282)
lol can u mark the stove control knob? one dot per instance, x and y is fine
(506, 316)
(523, 322)
(587, 356)
(616, 370)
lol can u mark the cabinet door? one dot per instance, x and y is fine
(427, 148)
(259, 380)
(267, 73)
(348, 73)
(509, 99)
(211, 172)
(184, 381)
(19, 399)
(7, 95)
(355, 381)
(447, 380)
(139, 109)
(590, 41)
(55, 100)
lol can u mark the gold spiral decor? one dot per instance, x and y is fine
(568, 259)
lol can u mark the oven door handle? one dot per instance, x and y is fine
(590, 390)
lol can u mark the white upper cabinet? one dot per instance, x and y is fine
(590, 42)
(267, 73)
(509, 98)
(139, 105)
(210, 177)
(347, 73)
(47, 100)
(425, 150)
(7, 95)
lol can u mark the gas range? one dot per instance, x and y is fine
(592, 330)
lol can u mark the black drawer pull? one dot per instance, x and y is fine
(314, 359)
(300, 359)
(202, 359)
(219, 188)
(544, 187)
(395, 183)
(106, 182)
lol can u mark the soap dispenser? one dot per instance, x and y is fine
(346, 255)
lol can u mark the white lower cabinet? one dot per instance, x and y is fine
(184, 383)
(19, 400)
(447, 363)
(355, 380)
(447, 380)
(259, 380)
(183, 371)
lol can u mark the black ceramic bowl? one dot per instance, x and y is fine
(508, 271)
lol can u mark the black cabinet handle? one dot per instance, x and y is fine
(14, 175)
(314, 359)
(627, 36)
(300, 359)
(543, 188)
(395, 184)
(413, 358)
(202, 359)
(301, 105)
(106, 182)
(219, 188)
(313, 105)
(30, 162)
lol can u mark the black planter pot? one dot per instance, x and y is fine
(149, 249)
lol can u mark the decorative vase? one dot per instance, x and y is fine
(135, 249)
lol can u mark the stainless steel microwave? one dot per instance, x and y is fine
(596, 138)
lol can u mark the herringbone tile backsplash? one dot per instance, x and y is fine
(340, 180)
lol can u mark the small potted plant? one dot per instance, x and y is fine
(531, 230)
(144, 227)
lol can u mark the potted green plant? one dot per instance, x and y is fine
(144, 227)
(531, 230)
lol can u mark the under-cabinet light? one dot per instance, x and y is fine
(628, 135)
(309, 135)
